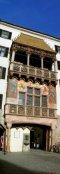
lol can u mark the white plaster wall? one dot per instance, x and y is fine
(4, 61)
(16, 140)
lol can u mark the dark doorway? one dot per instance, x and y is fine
(39, 137)
(32, 138)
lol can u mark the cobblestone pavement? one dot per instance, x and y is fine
(33, 162)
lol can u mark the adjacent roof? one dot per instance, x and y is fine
(33, 42)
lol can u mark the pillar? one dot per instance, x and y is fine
(55, 66)
(28, 62)
(42, 62)
(53, 136)
(28, 59)
(13, 56)
(8, 137)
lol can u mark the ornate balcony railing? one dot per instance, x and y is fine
(32, 71)
(29, 111)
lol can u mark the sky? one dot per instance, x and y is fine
(39, 15)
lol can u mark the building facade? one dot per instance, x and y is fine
(29, 93)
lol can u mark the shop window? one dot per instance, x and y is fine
(1, 96)
(3, 51)
(2, 72)
(5, 34)
(44, 101)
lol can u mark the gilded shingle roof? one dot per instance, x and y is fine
(33, 42)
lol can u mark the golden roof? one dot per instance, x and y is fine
(33, 42)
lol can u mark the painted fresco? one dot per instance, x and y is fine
(52, 96)
(22, 85)
(44, 90)
(12, 88)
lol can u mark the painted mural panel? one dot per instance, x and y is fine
(52, 97)
(12, 88)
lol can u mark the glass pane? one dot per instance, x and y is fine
(29, 90)
(2, 51)
(44, 101)
(37, 101)
(5, 34)
(37, 91)
(29, 100)
(21, 98)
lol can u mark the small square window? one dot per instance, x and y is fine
(3, 51)
(5, 34)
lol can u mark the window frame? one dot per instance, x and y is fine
(7, 34)
(43, 105)
(23, 103)
(3, 72)
(3, 51)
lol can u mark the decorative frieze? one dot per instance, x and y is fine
(37, 111)
(51, 113)
(29, 111)
(13, 109)
(21, 110)
(44, 112)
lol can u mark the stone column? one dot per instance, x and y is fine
(42, 62)
(53, 136)
(28, 61)
(13, 56)
(55, 66)
(8, 137)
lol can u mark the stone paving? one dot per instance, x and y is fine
(33, 162)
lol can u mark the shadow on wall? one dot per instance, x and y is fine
(8, 168)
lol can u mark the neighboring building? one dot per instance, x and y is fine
(29, 93)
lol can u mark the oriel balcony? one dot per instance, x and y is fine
(20, 110)
(22, 69)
